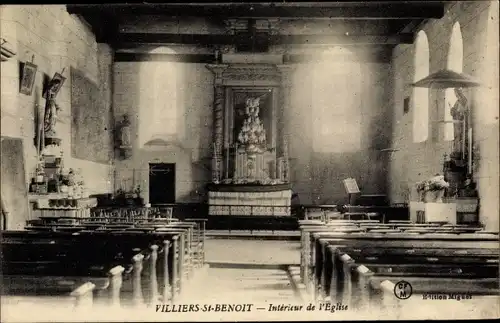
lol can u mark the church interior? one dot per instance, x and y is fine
(283, 160)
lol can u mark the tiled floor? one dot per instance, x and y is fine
(236, 285)
(252, 251)
(246, 272)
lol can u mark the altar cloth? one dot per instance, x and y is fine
(250, 200)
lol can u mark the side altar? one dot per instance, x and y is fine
(250, 171)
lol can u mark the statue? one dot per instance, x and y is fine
(51, 107)
(50, 117)
(125, 140)
(459, 114)
(252, 134)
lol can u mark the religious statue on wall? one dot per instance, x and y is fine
(252, 135)
(457, 166)
(124, 130)
(459, 113)
(50, 116)
(51, 107)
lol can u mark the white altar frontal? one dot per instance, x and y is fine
(262, 202)
(250, 172)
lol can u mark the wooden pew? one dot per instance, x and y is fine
(171, 257)
(316, 265)
(441, 262)
(48, 291)
(191, 242)
(118, 248)
(458, 295)
(194, 249)
(360, 283)
(43, 261)
(379, 251)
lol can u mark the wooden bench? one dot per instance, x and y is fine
(461, 297)
(321, 239)
(193, 245)
(358, 278)
(104, 248)
(384, 253)
(48, 291)
(314, 248)
(43, 261)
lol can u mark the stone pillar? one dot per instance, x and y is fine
(286, 87)
(218, 122)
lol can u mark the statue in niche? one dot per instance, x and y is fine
(125, 138)
(459, 113)
(50, 117)
(51, 108)
(252, 135)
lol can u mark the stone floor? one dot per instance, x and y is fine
(276, 252)
(247, 272)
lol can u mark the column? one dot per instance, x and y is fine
(218, 122)
(286, 87)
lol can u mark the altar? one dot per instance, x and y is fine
(250, 171)
(255, 200)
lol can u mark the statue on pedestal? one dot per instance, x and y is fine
(459, 114)
(51, 109)
(50, 118)
(252, 135)
(124, 139)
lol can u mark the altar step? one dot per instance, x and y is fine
(253, 234)
(251, 223)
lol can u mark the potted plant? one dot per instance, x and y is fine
(433, 189)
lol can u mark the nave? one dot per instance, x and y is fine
(351, 268)
(125, 274)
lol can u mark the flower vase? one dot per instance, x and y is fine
(439, 196)
(434, 196)
(429, 197)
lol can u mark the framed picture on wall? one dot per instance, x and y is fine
(28, 76)
(54, 85)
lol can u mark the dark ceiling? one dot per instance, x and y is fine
(372, 23)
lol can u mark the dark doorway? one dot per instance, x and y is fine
(161, 183)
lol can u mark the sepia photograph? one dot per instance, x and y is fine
(250, 161)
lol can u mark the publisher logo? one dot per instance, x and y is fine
(403, 290)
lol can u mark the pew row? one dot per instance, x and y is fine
(49, 291)
(354, 262)
(132, 250)
(362, 283)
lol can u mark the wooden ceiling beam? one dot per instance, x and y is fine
(359, 10)
(211, 39)
(380, 56)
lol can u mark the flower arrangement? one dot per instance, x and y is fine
(138, 191)
(433, 189)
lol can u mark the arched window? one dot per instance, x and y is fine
(336, 102)
(454, 63)
(158, 100)
(421, 95)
